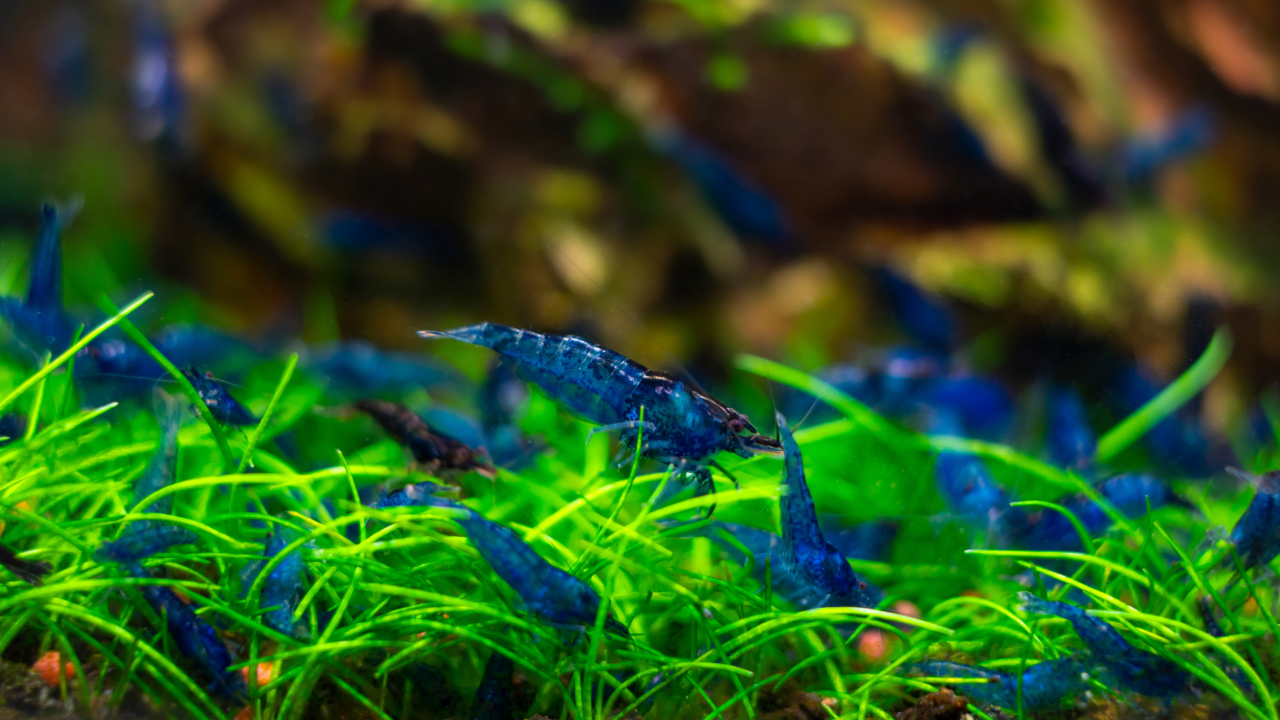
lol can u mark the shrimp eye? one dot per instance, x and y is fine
(736, 425)
(862, 585)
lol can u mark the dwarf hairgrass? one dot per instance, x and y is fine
(393, 597)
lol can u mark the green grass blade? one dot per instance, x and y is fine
(1170, 399)
(247, 458)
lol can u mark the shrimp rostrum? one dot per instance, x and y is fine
(682, 426)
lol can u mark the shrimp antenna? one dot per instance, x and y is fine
(652, 338)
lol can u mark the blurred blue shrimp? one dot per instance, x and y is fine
(1045, 529)
(158, 104)
(1072, 442)
(283, 587)
(356, 368)
(743, 206)
(163, 466)
(682, 425)
(545, 590)
(1045, 685)
(965, 482)
(494, 699)
(225, 408)
(139, 544)
(1121, 664)
(865, 541)
(1177, 439)
(415, 495)
(805, 554)
(922, 314)
(41, 321)
(1189, 133)
(195, 638)
(499, 399)
(1256, 536)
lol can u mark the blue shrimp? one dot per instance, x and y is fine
(963, 479)
(1176, 440)
(32, 571)
(1072, 442)
(743, 206)
(1122, 664)
(682, 426)
(431, 449)
(547, 591)
(499, 400)
(283, 587)
(159, 106)
(494, 699)
(805, 553)
(139, 544)
(1143, 157)
(1256, 535)
(922, 314)
(984, 407)
(163, 466)
(866, 541)
(1131, 493)
(1045, 685)
(225, 408)
(41, 320)
(195, 638)
(357, 368)
(415, 495)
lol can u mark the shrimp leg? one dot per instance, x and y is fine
(625, 425)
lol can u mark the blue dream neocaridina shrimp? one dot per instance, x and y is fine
(415, 495)
(225, 408)
(163, 466)
(682, 426)
(140, 544)
(1072, 442)
(41, 320)
(1121, 664)
(1045, 685)
(436, 451)
(1256, 535)
(494, 699)
(805, 554)
(1046, 529)
(283, 587)
(963, 479)
(195, 638)
(865, 541)
(547, 591)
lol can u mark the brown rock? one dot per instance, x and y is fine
(941, 705)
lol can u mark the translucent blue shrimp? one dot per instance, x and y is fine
(434, 450)
(547, 591)
(1131, 493)
(746, 208)
(356, 368)
(415, 495)
(1072, 441)
(283, 587)
(494, 699)
(163, 466)
(41, 320)
(1256, 535)
(499, 399)
(866, 541)
(963, 479)
(805, 554)
(923, 315)
(1122, 665)
(225, 408)
(682, 426)
(140, 544)
(1045, 685)
(195, 638)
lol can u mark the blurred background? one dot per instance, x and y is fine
(1083, 185)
